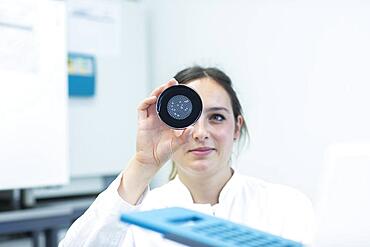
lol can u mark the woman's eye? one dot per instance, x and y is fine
(217, 117)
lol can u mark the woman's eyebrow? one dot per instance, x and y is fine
(217, 109)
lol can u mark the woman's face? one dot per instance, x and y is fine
(210, 147)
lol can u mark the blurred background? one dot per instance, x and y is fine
(72, 73)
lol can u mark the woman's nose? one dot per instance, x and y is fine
(200, 132)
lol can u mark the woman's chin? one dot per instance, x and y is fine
(200, 166)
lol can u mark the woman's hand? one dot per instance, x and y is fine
(156, 142)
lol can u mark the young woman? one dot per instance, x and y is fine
(202, 177)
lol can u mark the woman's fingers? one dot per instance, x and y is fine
(160, 89)
(182, 136)
(185, 136)
(144, 105)
(178, 133)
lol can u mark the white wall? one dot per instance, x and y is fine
(103, 127)
(300, 68)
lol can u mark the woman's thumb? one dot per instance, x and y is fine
(182, 138)
(185, 136)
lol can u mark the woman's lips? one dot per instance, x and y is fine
(202, 151)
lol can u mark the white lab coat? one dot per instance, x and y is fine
(274, 208)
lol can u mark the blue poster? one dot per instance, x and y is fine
(81, 75)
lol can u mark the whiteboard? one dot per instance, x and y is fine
(33, 94)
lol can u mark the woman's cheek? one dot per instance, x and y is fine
(223, 132)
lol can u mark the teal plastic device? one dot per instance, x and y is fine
(201, 230)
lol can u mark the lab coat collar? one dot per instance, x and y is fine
(226, 194)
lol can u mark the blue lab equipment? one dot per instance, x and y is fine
(201, 230)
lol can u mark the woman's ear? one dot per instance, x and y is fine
(238, 125)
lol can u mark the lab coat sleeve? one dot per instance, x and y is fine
(100, 224)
